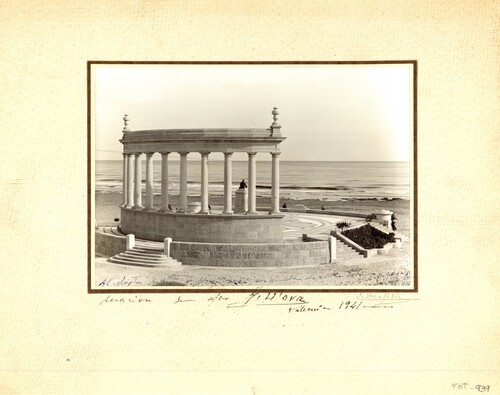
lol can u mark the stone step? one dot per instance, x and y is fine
(117, 232)
(146, 251)
(170, 262)
(112, 231)
(135, 254)
(345, 251)
(148, 244)
(155, 251)
(143, 258)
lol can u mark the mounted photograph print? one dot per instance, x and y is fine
(252, 176)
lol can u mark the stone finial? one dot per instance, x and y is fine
(275, 126)
(125, 122)
(275, 113)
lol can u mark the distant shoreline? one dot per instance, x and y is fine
(294, 161)
(119, 181)
(324, 181)
(107, 205)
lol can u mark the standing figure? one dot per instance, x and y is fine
(393, 222)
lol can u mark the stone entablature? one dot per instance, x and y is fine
(198, 140)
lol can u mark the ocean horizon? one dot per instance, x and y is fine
(323, 180)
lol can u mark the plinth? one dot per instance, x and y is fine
(241, 201)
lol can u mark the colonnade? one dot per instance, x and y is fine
(132, 182)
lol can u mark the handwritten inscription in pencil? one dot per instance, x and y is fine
(270, 299)
(297, 303)
(127, 299)
(383, 300)
(120, 282)
(291, 302)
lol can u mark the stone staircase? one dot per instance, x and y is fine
(150, 253)
(346, 252)
(145, 253)
(148, 257)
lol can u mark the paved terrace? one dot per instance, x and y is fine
(296, 224)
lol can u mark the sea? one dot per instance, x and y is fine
(327, 181)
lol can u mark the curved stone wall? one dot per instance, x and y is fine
(217, 228)
(251, 255)
(109, 244)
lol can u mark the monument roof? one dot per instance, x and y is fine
(199, 139)
(203, 139)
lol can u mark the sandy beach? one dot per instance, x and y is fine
(383, 270)
(107, 206)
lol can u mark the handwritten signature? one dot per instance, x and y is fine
(383, 300)
(120, 282)
(295, 303)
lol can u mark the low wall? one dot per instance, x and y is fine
(203, 228)
(324, 212)
(109, 244)
(251, 255)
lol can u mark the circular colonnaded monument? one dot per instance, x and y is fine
(243, 237)
(146, 221)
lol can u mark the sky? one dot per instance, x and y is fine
(327, 112)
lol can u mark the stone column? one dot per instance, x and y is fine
(130, 181)
(228, 182)
(183, 182)
(149, 181)
(204, 183)
(164, 181)
(275, 188)
(252, 209)
(137, 183)
(125, 180)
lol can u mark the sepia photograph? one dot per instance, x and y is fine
(249, 197)
(252, 176)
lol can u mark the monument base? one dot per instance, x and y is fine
(217, 228)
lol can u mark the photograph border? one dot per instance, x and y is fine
(90, 227)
